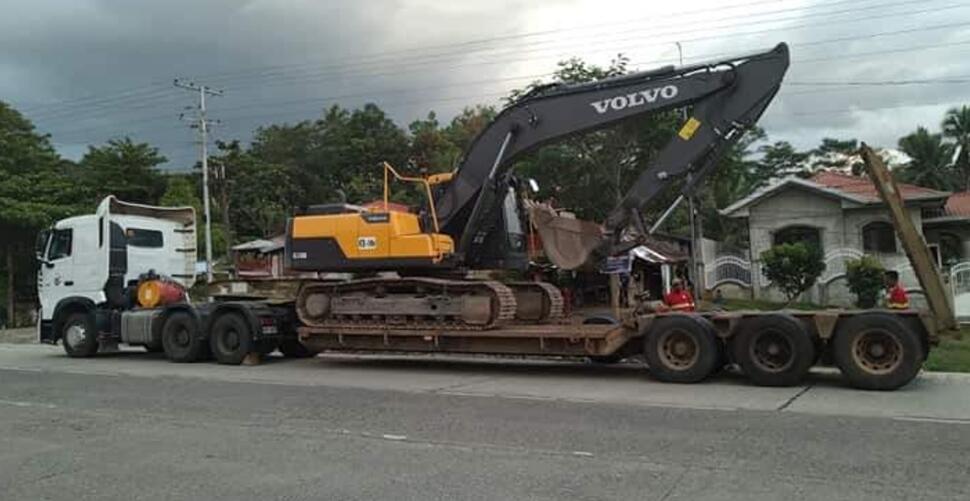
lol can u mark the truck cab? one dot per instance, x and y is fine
(87, 262)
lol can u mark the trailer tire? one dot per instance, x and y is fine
(231, 339)
(292, 348)
(875, 351)
(774, 350)
(180, 338)
(79, 335)
(681, 349)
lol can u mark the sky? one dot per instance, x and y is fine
(87, 71)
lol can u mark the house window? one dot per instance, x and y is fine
(951, 249)
(879, 237)
(796, 234)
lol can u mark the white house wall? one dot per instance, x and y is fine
(839, 228)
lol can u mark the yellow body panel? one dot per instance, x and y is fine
(373, 235)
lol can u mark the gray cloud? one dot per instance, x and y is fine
(282, 61)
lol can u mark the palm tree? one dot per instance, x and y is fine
(956, 127)
(929, 164)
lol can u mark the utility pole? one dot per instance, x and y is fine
(203, 125)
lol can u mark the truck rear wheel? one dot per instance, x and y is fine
(79, 335)
(774, 350)
(875, 351)
(180, 338)
(231, 339)
(681, 349)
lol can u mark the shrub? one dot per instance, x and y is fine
(793, 268)
(865, 279)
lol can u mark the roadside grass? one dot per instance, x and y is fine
(953, 353)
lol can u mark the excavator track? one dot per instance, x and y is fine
(407, 303)
(538, 302)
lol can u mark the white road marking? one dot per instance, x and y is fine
(18, 403)
(927, 419)
(583, 454)
(387, 436)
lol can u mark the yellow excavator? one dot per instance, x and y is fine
(472, 220)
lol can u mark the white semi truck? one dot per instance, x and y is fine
(93, 267)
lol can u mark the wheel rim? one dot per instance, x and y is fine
(877, 352)
(75, 334)
(182, 338)
(230, 340)
(771, 351)
(678, 349)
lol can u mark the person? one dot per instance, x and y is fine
(896, 297)
(679, 299)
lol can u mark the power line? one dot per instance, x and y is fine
(325, 99)
(844, 11)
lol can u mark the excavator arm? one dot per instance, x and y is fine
(726, 98)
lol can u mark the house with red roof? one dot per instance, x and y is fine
(843, 215)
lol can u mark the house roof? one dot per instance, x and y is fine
(853, 189)
(863, 187)
(958, 204)
(261, 245)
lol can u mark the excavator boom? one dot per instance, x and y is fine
(726, 97)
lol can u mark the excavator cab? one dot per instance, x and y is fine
(380, 236)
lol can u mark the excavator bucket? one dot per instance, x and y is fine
(568, 242)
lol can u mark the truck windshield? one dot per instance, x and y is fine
(40, 245)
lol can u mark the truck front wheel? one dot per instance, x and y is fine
(79, 335)
(681, 349)
(231, 339)
(180, 338)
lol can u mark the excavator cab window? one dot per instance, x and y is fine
(513, 222)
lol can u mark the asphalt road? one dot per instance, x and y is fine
(133, 426)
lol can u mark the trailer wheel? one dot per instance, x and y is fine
(180, 338)
(774, 350)
(79, 335)
(681, 349)
(291, 348)
(875, 351)
(231, 339)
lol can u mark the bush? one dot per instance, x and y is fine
(865, 279)
(793, 268)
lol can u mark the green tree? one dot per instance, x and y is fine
(929, 164)
(839, 154)
(865, 279)
(125, 169)
(36, 188)
(956, 128)
(779, 159)
(793, 268)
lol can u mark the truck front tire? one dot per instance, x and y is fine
(875, 351)
(79, 335)
(231, 339)
(180, 338)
